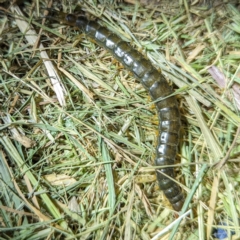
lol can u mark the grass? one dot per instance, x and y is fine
(78, 131)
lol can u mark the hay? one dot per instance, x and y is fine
(78, 134)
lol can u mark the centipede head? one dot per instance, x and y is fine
(64, 18)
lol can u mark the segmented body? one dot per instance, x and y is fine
(157, 86)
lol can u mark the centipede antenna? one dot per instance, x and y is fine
(4, 12)
(49, 9)
(46, 8)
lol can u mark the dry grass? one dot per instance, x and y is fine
(78, 131)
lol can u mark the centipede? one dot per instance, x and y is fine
(157, 86)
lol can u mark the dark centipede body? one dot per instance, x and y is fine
(155, 83)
